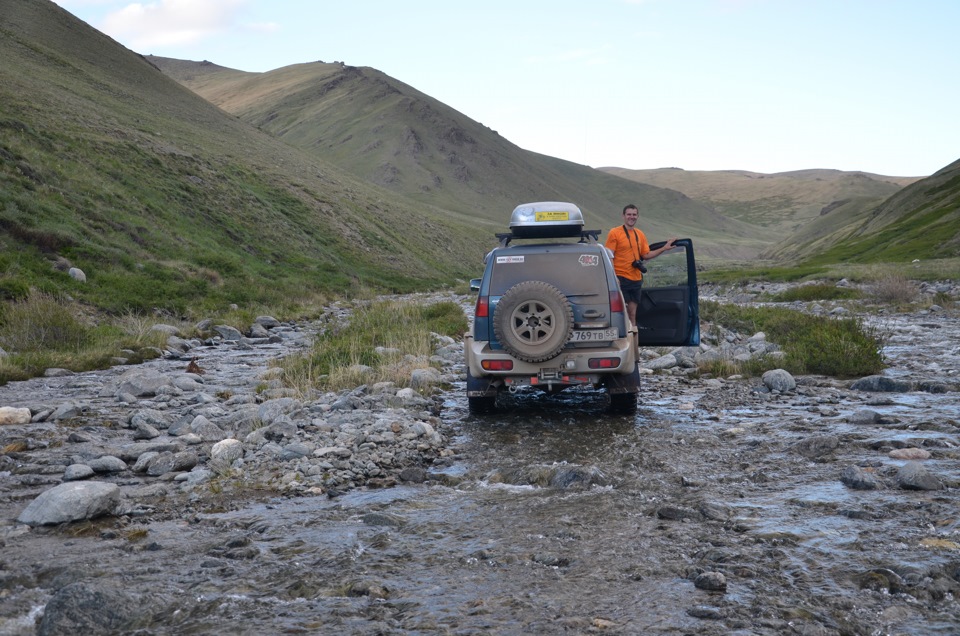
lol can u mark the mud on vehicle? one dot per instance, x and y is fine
(550, 315)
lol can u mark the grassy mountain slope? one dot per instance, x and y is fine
(387, 132)
(922, 221)
(165, 201)
(784, 201)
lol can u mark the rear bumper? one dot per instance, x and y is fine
(570, 368)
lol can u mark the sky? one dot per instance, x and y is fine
(761, 85)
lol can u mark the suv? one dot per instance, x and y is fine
(550, 315)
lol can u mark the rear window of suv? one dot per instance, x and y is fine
(576, 273)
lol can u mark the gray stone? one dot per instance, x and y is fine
(858, 479)
(424, 379)
(915, 476)
(813, 447)
(228, 333)
(75, 472)
(107, 464)
(168, 462)
(711, 581)
(142, 383)
(881, 384)
(779, 380)
(90, 608)
(226, 451)
(72, 501)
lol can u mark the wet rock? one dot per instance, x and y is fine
(384, 519)
(677, 513)
(881, 384)
(706, 612)
(818, 446)
(89, 608)
(909, 453)
(72, 501)
(711, 581)
(864, 416)
(859, 479)
(915, 476)
(779, 380)
(368, 589)
(551, 560)
(880, 580)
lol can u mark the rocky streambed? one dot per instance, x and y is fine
(194, 495)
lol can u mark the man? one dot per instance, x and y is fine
(630, 250)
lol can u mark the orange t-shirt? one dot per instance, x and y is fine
(627, 249)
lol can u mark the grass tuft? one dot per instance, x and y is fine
(384, 342)
(819, 345)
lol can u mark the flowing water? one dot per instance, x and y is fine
(696, 516)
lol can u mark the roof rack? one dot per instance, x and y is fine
(586, 236)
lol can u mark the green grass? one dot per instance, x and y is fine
(403, 330)
(816, 291)
(44, 331)
(838, 347)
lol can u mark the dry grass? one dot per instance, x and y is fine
(894, 289)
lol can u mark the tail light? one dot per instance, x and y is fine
(603, 363)
(616, 302)
(497, 365)
(483, 307)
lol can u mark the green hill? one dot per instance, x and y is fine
(784, 201)
(165, 201)
(398, 138)
(922, 222)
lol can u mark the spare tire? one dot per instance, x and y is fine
(533, 321)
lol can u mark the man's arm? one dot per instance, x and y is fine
(657, 252)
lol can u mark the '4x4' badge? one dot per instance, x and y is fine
(589, 260)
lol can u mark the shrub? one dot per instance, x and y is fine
(816, 291)
(402, 330)
(41, 322)
(841, 347)
(895, 289)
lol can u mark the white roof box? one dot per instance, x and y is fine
(546, 219)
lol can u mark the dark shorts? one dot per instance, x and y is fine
(631, 289)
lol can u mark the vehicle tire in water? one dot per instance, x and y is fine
(533, 321)
(623, 403)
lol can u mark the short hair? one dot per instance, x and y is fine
(629, 206)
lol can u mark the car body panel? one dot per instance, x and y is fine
(601, 345)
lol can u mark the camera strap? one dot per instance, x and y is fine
(630, 235)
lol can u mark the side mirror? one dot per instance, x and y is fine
(475, 284)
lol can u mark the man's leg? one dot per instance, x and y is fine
(632, 311)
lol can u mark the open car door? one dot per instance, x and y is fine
(669, 311)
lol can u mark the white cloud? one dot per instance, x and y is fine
(170, 22)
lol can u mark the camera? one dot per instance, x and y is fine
(638, 264)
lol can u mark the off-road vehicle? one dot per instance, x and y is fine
(550, 315)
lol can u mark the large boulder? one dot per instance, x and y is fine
(72, 501)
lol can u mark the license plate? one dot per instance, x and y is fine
(594, 335)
